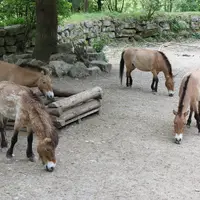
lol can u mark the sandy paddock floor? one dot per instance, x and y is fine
(125, 153)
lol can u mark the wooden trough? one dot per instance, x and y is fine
(65, 110)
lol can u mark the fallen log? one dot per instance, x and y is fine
(66, 103)
(64, 93)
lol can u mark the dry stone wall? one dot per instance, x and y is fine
(11, 37)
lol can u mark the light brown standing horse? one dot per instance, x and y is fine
(149, 61)
(27, 77)
(22, 105)
(189, 97)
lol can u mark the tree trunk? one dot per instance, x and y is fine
(46, 29)
(86, 5)
(99, 4)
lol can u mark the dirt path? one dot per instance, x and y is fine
(125, 153)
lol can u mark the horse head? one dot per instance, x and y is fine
(179, 125)
(46, 151)
(45, 85)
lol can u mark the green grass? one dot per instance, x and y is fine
(79, 17)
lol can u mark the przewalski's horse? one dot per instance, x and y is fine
(149, 61)
(189, 97)
(22, 105)
(27, 77)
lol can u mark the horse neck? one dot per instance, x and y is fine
(166, 72)
(33, 80)
(40, 122)
(185, 103)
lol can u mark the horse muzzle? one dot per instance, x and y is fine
(178, 138)
(171, 93)
(50, 166)
(49, 94)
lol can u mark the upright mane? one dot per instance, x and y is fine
(42, 116)
(167, 63)
(180, 106)
(33, 67)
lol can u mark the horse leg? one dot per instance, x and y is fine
(4, 142)
(197, 117)
(14, 139)
(154, 84)
(129, 79)
(190, 117)
(29, 151)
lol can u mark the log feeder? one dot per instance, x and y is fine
(65, 110)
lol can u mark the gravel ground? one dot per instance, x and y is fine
(127, 152)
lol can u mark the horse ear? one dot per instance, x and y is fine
(47, 140)
(186, 113)
(175, 113)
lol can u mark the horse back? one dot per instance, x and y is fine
(142, 59)
(16, 74)
(193, 86)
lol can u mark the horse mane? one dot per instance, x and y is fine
(33, 67)
(35, 96)
(180, 106)
(44, 118)
(167, 63)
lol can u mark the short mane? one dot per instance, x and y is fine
(33, 67)
(180, 106)
(35, 96)
(167, 63)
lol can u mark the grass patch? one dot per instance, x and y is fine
(79, 17)
(138, 15)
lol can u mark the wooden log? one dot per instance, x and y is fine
(66, 103)
(55, 111)
(64, 93)
(57, 92)
(61, 123)
(77, 112)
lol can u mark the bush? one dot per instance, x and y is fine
(23, 11)
(99, 43)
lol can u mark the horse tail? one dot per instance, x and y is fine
(121, 70)
(167, 63)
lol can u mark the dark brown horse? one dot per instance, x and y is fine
(149, 61)
(19, 103)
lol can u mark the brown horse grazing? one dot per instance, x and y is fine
(189, 97)
(150, 61)
(26, 77)
(22, 105)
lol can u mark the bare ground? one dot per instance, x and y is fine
(125, 153)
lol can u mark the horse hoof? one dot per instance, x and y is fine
(9, 156)
(31, 159)
(4, 144)
(154, 92)
(188, 125)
